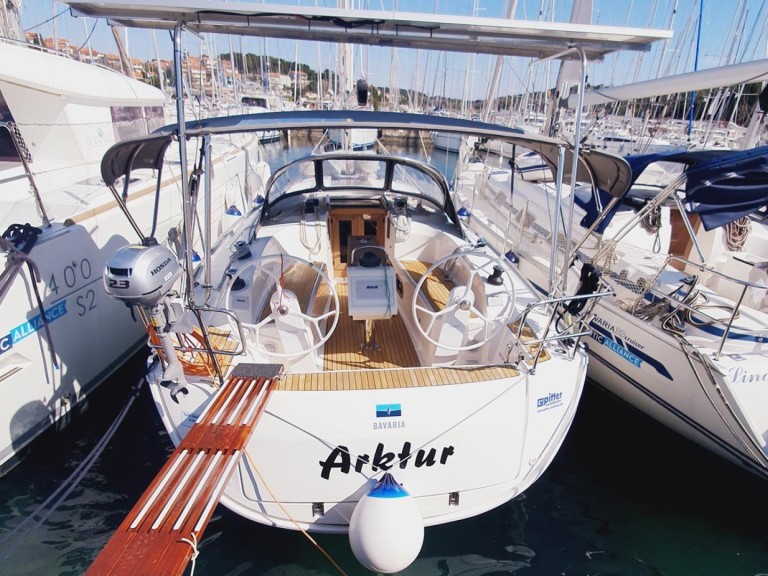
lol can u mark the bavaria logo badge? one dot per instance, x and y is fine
(388, 410)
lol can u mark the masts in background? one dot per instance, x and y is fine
(125, 61)
(569, 74)
(10, 20)
(493, 85)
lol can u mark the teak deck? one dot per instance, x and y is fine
(184, 494)
(343, 351)
(394, 378)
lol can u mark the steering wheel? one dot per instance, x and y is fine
(462, 299)
(285, 308)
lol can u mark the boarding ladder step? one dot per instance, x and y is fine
(157, 534)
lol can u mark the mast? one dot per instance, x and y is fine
(493, 85)
(160, 74)
(125, 61)
(10, 20)
(695, 68)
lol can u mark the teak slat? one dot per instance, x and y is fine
(396, 378)
(181, 499)
(343, 351)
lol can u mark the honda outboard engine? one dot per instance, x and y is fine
(141, 275)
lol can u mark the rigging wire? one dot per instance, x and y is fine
(46, 21)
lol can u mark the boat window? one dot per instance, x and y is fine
(8, 152)
(155, 116)
(254, 101)
(342, 173)
(297, 177)
(410, 180)
(135, 121)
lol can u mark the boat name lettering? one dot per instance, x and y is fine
(6, 343)
(389, 424)
(160, 266)
(619, 333)
(741, 376)
(550, 401)
(32, 325)
(72, 275)
(341, 459)
(621, 351)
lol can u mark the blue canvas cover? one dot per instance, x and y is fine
(721, 185)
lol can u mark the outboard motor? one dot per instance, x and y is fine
(141, 275)
(144, 275)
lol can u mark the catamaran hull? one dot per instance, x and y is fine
(46, 372)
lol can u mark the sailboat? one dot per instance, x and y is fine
(683, 339)
(60, 223)
(347, 358)
(684, 251)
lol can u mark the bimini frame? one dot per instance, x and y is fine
(540, 40)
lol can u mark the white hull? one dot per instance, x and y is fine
(461, 413)
(45, 373)
(717, 406)
(357, 139)
(717, 403)
(486, 441)
(447, 142)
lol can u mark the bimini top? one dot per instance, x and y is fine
(720, 185)
(378, 28)
(608, 172)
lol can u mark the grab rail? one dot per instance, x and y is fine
(727, 325)
(554, 304)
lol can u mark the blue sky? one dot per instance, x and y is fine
(731, 31)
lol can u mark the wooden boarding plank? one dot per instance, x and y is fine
(181, 499)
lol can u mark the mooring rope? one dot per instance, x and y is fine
(195, 551)
(291, 518)
(49, 506)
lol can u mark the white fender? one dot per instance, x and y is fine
(386, 530)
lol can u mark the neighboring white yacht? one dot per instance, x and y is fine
(60, 222)
(684, 338)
